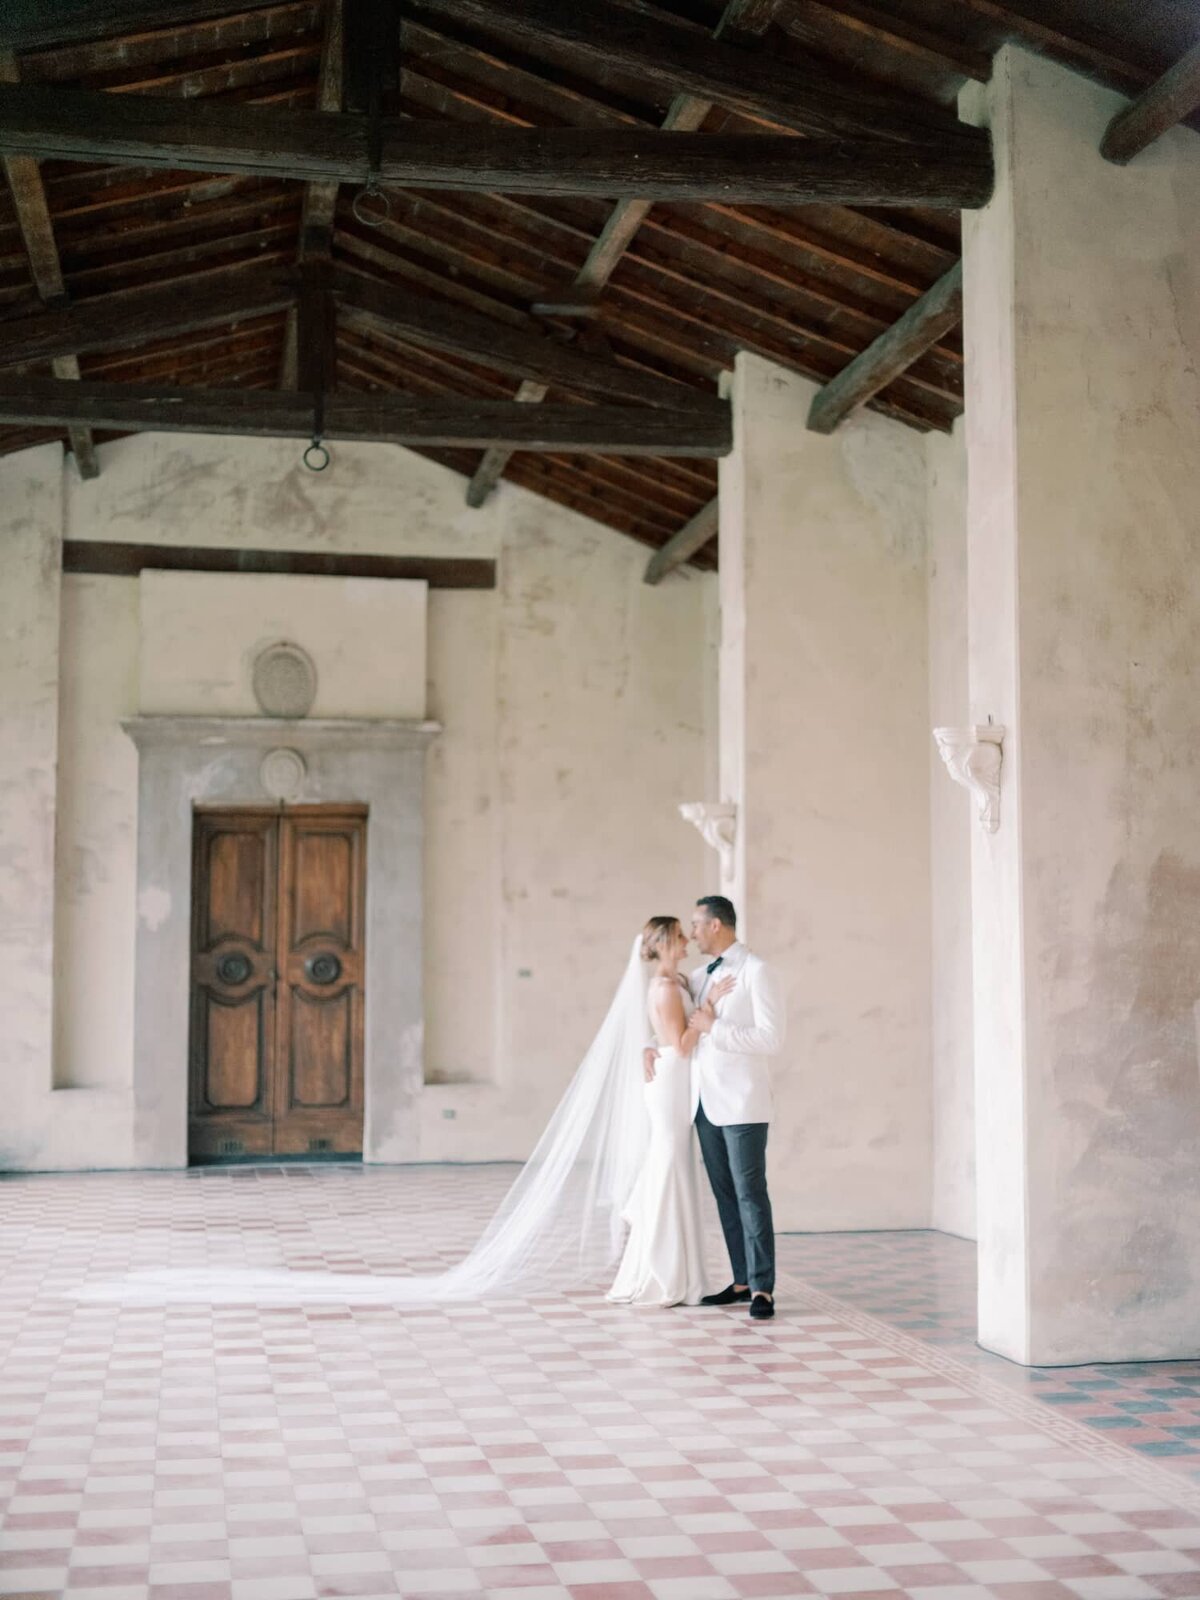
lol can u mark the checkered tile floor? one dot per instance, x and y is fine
(924, 1284)
(530, 1450)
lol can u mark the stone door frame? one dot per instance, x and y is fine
(188, 761)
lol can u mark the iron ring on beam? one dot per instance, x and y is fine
(319, 457)
(374, 218)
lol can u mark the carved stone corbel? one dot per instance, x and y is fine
(717, 822)
(973, 756)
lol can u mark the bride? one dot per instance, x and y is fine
(663, 1262)
(618, 1152)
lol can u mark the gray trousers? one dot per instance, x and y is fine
(736, 1160)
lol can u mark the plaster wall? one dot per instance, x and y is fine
(574, 701)
(1083, 337)
(950, 822)
(201, 633)
(31, 538)
(825, 748)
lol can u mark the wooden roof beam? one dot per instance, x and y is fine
(139, 316)
(674, 59)
(443, 422)
(1175, 96)
(34, 25)
(686, 113)
(925, 322)
(773, 170)
(521, 353)
(37, 231)
(682, 546)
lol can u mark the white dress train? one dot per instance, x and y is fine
(663, 1263)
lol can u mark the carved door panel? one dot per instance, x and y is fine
(234, 928)
(319, 1076)
(276, 1050)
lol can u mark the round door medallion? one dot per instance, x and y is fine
(284, 680)
(234, 968)
(282, 773)
(323, 968)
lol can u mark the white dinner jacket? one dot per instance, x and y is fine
(731, 1065)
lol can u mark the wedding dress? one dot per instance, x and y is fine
(663, 1263)
(560, 1226)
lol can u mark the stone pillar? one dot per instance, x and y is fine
(1082, 329)
(953, 1209)
(824, 740)
(31, 518)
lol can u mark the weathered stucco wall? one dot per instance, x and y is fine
(824, 744)
(574, 704)
(201, 633)
(31, 539)
(950, 814)
(1083, 406)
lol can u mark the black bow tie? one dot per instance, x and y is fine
(713, 965)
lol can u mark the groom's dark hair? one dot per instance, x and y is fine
(717, 906)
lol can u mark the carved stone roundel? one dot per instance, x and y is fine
(282, 774)
(285, 681)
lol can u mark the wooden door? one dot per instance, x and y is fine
(276, 1050)
(319, 1079)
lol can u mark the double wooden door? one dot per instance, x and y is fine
(276, 1050)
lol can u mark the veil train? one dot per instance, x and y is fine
(558, 1227)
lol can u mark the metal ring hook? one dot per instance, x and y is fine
(371, 191)
(317, 450)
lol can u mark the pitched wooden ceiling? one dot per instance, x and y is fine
(809, 287)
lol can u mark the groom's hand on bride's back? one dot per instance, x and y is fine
(649, 1060)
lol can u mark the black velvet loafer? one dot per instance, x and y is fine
(762, 1307)
(727, 1297)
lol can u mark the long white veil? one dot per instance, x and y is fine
(559, 1226)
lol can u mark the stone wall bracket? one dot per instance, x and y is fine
(717, 823)
(973, 757)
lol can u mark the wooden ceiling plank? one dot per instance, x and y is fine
(528, 354)
(454, 422)
(891, 354)
(75, 125)
(75, 63)
(686, 114)
(33, 218)
(681, 546)
(675, 59)
(33, 25)
(117, 321)
(946, 55)
(1168, 101)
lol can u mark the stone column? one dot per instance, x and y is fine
(1082, 329)
(31, 518)
(824, 740)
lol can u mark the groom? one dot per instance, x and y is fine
(731, 1093)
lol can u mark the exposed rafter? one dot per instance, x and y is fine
(446, 423)
(682, 546)
(685, 115)
(925, 322)
(37, 232)
(33, 24)
(122, 321)
(674, 58)
(144, 130)
(520, 352)
(1175, 96)
(319, 206)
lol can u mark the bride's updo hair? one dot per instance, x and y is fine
(657, 936)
